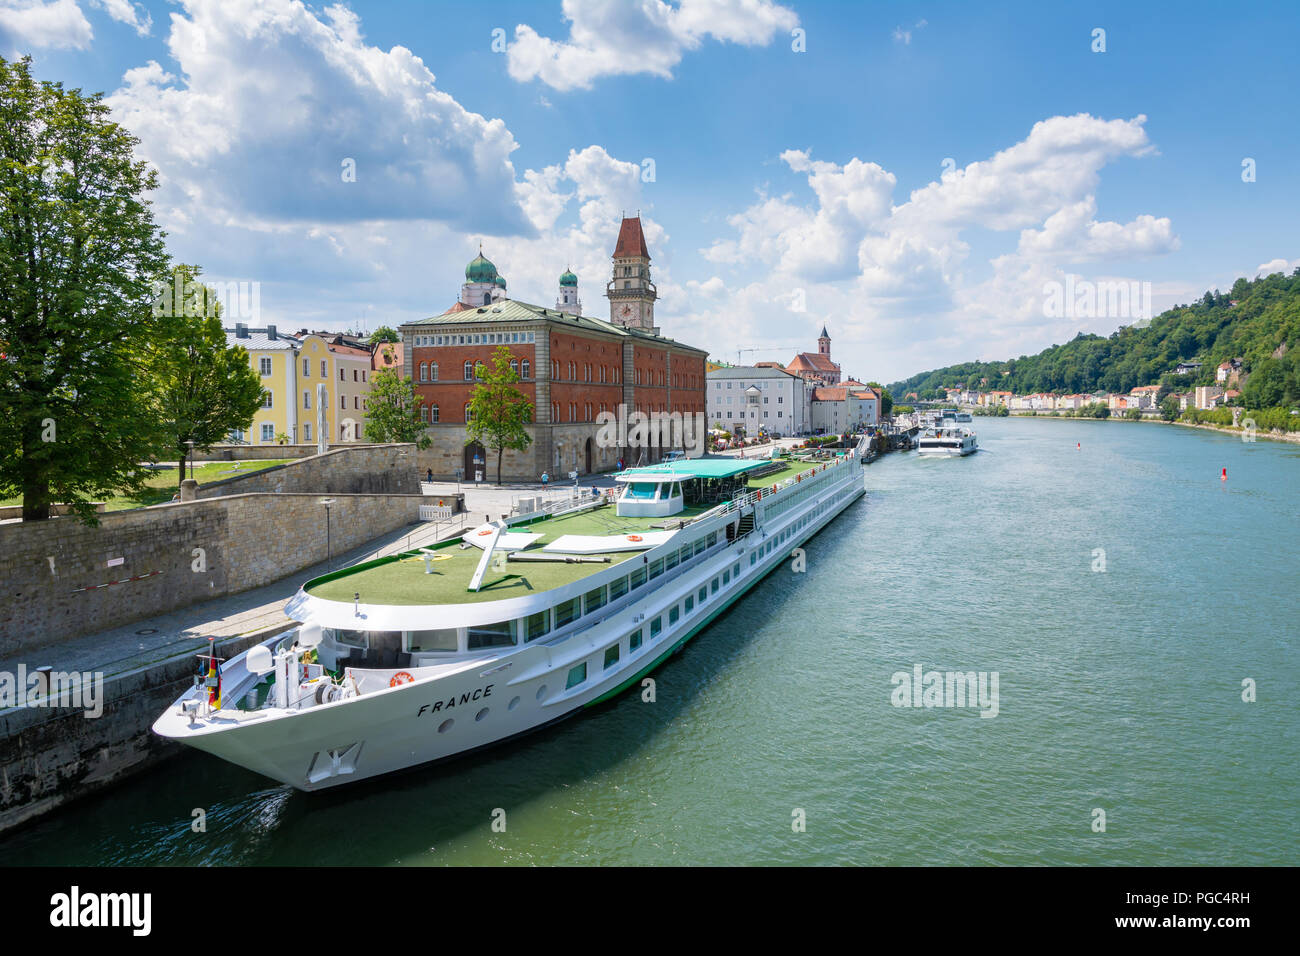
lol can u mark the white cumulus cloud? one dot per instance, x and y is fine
(27, 25)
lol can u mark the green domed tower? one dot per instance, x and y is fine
(568, 300)
(483, 284)
(480, 269)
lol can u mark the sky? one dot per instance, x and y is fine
(921, 178)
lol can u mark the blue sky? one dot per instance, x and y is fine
(790, 188)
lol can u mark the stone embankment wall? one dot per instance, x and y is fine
(63, 578)
(365, 469)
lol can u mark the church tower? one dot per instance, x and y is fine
(568, 300)
(483, 284)
(824, 343)
(631, 293)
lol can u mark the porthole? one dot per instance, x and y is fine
(514, 702)
(481, 714)
(446, 725)
(541, 692)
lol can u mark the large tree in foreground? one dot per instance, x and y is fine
(498, 411)
(78, 251)
(205, 390)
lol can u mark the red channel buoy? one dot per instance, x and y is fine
(1224, 476)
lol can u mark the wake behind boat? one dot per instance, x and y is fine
(439, 651)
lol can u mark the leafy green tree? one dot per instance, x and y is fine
(392, 416)
(384, 333)
(78, 251)
(498, 411)
(1133, 414)
(205, 390)
(1266, 385)
(1169, 409)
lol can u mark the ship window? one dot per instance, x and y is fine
(611, 656)
(715, 585)
(690, 603)
(704, 594)
(713, 538)
(673, 614)
(637, 578)
(726, 577)
(670, 561)
(656, 568)
(634, 642)
(753, 556)
(594, 599)
(656, 626)
(348, 638)
(686, 553)
(736, 569)
(617, 589)
(699, 546)
(566, 612)
(440, 639)
(536, 625)
(576, 675)
(501, 634)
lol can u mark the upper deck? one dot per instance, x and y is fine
(408, 579)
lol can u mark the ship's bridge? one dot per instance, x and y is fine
(662, 490)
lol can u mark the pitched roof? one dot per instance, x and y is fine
(832, 394)
(812, 362)
(631, 240)
(512, 310)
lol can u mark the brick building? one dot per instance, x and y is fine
(571, 367)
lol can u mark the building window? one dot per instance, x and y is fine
(433, 413)
(514, 366)
(611, 656)
(306, 368)
(343, 401)
(340, 375)
(424, 372)
(265, 365)
(576, 675)
(424, 413)
(266, 399)
(306, 431)
(524, 370)
(306, 399)
(324, 369)
(268, 433)
(469, 413)
(469, 371)
(433, 372)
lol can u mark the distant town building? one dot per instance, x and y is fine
(760, 397)
(817, 366)
(1228, 372)
(1206, 395)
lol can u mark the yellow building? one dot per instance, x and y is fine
(292, 369)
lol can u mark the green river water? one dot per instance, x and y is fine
(1118, 690)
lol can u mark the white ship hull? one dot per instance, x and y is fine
(466, 705)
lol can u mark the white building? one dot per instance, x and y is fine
(759, 397)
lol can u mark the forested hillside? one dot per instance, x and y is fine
(1262, 329)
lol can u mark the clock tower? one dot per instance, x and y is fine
(631, 293)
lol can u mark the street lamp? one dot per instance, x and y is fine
(329, 554)
(190, 442)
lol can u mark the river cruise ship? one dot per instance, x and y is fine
(439, 651)
(950, 441)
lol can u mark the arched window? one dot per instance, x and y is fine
(469, 371)
(424, 413)
(469, 414)
(433, 413)
(524, 370)
(514, 365)
(433, 372)
(487, 298)
(555, 368)
(424, 372)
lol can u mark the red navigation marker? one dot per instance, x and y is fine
(1224, 476)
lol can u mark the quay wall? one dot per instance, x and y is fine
(367, 469)
(64, 578)
(267, 452)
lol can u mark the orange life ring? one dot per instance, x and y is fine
(488, 531)
(634, 537)
(401, 677)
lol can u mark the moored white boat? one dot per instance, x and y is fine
(436, 652)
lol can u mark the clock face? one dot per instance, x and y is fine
(627, 310)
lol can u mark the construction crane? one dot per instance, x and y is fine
(764, 348)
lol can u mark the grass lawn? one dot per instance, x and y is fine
(163, 483)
